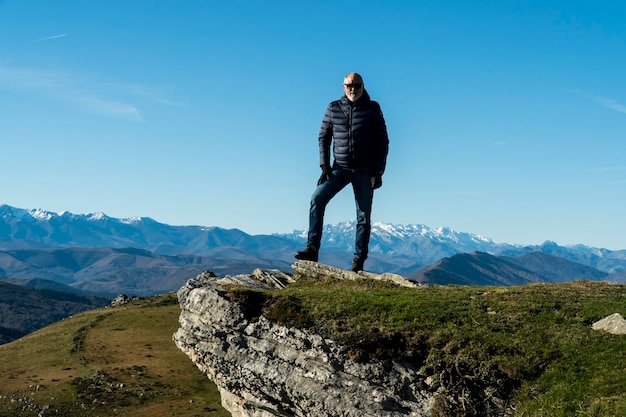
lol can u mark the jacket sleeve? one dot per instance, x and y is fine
(325, 136)
(382, 142)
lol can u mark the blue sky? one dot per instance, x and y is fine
(506, 119)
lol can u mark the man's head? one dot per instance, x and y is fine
(353, 86)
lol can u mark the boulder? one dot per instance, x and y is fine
(614, 324)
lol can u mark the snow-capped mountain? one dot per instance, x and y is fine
(419, 242)
(22, 228)
(393, 248)
(138, 255)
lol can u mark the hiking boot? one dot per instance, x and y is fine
(309, 254)
(357, 264)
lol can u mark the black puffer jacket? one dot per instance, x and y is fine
(359, 133)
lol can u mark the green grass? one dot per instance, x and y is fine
(107, 362)
(530, 345)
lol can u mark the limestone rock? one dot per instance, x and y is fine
(266, 279)
(122, 299)
(614, 324)
(318, 269)
(263, 369)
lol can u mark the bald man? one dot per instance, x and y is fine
(356, 128)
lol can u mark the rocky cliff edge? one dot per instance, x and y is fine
(263, 369)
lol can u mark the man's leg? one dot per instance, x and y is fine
(319, 200)
(363, 196)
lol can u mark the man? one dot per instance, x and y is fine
(356, 126)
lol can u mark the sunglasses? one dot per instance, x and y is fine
(356, 86)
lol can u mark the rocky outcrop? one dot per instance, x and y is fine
(122, 299)
(614, 324)
(315, 269)
(263, 369)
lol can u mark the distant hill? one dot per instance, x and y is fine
(555, 269)
(24, 310)
(475, 268)
(111, 271)
(480, 268)
(45, 284)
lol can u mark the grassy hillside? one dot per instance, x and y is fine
(531, 346)
(107, 362)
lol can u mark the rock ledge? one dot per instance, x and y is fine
(263, 369)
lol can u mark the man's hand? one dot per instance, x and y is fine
(377, 181)
(327, 173)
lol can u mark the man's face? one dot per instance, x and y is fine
(353, 87)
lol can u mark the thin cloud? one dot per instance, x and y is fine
(47, 38)
(607, 169)
(108, 108)
(471, 192)
(106, 99)
(151, 94)
(611, 104)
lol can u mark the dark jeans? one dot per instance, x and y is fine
(363, 196)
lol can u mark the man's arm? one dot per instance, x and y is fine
(382, 143)
(325, 137)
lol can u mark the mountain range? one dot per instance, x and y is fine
(98, 254)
